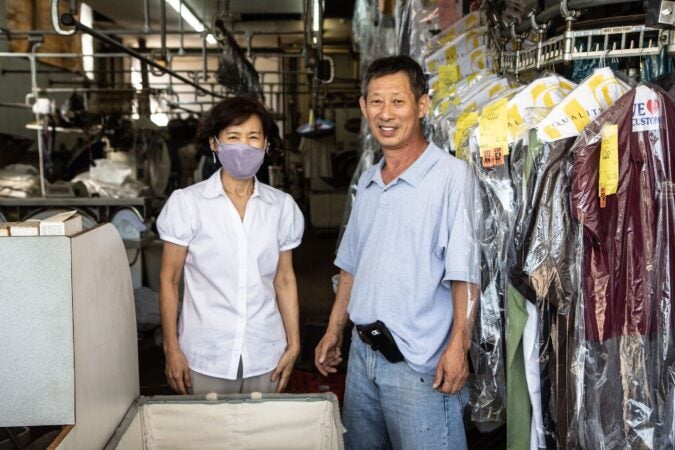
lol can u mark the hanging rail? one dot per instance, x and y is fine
(70, 21)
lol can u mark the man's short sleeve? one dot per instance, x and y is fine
(347, 252)
(174, 222)
(291, 226)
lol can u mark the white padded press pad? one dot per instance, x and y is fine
(265, 425)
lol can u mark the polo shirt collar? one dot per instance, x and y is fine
(414, 174)
(214, 188)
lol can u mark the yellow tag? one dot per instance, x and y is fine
(516, 125)
(431, 66)
(448, 74)
(445, 105)
(471, 19)
(451, 54)
(494, 90)
(608, 180)
(450, 35)
(464, 122)
(492, 131)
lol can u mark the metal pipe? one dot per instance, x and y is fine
(128, 32)
(69, 20)
(554, 11)
(181, 49)
(146, 16)
(162, 25)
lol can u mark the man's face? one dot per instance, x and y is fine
(393, 113)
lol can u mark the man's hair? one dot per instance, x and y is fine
(394, 64)
(235, 111)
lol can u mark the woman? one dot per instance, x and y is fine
(231, 237)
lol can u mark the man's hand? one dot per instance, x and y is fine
(328, 353)
(177, 371)
(284, 368)
(452, 370)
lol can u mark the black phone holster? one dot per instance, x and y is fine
(378, 336)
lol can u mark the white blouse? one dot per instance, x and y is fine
(229, 303)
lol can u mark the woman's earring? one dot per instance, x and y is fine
(214, 157)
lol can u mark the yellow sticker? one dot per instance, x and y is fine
(577, 114)
(445, 105)
(450, 35)
(471, 19)
(516, 127)
(431, 66)
(608, 180)
(451, 54)
(448, 74)
(464, 122)
(494, 90)
(492, 131)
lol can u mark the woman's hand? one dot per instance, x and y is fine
(284, 368)
(177, 371)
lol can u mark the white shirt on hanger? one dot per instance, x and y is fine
(229, 303)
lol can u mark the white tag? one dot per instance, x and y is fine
(646, 110)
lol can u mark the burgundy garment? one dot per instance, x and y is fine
(620, 240)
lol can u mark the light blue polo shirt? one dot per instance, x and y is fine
(404, 244)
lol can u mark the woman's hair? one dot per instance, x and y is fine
(235, 111)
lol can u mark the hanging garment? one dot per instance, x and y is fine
(543, 253)
(622, 195)
(496, 193)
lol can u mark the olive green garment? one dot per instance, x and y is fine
(518, 407)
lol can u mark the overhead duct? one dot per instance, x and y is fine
(235, 71)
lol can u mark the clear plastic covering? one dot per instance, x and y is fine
(542, 291)
(374, 35)
(488, 394)
(415, 19)
(623, 196)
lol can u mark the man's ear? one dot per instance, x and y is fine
(423, 104)
(362, 104)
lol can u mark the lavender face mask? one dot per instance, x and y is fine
(240, 160)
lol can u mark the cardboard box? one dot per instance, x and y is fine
(29, 227)
(63, 224)
(4, 228)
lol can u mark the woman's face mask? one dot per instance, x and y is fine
(240, 160)
(238, 148)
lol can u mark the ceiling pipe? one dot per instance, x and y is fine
(70, 21)
(162, 25)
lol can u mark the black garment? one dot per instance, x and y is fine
(542, 268)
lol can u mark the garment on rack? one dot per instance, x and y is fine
(543, 252)
(624, 383)
(488, 405)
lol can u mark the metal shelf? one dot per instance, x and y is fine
(610, 42)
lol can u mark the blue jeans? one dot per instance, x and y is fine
(391, 406)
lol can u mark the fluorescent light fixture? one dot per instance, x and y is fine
(315, 16)
(189, 17)
(87, 18)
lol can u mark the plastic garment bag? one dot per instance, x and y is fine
(488, 395)
(414, 21)
(623, 195)
(541, 265)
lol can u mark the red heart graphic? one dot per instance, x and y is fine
(652, 106)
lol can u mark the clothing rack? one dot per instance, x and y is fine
(609, 42)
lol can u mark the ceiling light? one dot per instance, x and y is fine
(189, 17)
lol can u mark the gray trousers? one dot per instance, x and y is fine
(203, 384)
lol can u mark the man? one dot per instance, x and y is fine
(408, 258)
